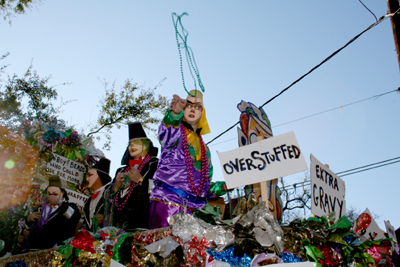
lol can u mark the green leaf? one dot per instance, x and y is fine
(69, 132)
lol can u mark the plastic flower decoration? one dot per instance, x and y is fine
(51, 136)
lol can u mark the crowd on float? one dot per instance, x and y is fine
(144, 192)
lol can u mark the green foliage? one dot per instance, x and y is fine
(30, 90)
(2, 58)
(8, 8)
(132, 103)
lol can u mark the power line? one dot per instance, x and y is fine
(349, 104)
(224, 141)
(381, 19)
(349, 172)
(370, 168)
(322, 112)
(328, 58)
(343, 172)
(368, 10)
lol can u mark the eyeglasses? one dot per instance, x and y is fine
(196, 106)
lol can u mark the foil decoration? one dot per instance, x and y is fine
(267, 230)
(229, 257)
(164, 246)
(186, 225)
(195, 251)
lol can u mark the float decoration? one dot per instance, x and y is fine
(63, 152)
(312, 240)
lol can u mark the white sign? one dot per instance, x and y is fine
(373, 232)
(392, 234)
(115, 263)
(77, 198)
(68, 170)
(262, 161)
(327, 190)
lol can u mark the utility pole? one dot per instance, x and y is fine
(393, 7)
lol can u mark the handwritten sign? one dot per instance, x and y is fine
(77, 198)
(373, 232)
(262, 161)
(327, 190)
(392, 234)
(68, 170)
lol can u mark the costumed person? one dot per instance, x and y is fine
(183, 178)
(99, 180)
(128, 199)
(56, 222)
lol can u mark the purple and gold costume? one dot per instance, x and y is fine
(172, 176)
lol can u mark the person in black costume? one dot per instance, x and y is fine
(56, 222)
(130, 191)
(99, 181)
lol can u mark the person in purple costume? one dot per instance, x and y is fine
(182, 181)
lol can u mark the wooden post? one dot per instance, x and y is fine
(393, 6)
(264, 192)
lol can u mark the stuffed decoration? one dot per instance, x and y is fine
(128, 200)
(99, 181)
(183, 178)
(55, 222)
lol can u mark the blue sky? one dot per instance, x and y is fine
(245, 50)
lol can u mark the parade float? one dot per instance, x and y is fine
(254, 236)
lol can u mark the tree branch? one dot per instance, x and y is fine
(297, 207)
(104, 125)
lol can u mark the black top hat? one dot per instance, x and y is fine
(103, 170)
(136, 131)
(103, 165)
(54, 180)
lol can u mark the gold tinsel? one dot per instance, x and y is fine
(57, 260)
(94, 260)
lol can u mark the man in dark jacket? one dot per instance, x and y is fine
(99, 180)
(55, 222)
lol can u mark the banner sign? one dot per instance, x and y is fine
(68, 170)
(372, 230)
(327, 190)
(77, 198)
(392, 234)
(262, 161)
(72, 172)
